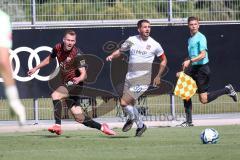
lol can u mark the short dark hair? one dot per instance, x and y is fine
(192, 18)
(140, 22)
(71, 32)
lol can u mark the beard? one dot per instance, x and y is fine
(68, 48)
(145, 35)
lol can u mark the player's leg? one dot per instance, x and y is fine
(93, 103)
(203, 84)
(188, 103)
(141, 127)
(126, 103)
(11, 91)
(81, 117)
(133, 90)
(188, 113)
(231, 92)
(211, 96)
(57, 96)
(228, 89)
(15, 103)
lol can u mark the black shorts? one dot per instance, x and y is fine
(75, 91)
(201, 74)
(80, 101)
(75, 94)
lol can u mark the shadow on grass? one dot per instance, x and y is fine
(62, 136)
(118, 137)
(67, 136)
(115, 137)
(46, 136)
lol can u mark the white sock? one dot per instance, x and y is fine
(138, 118)
(129, 110)
(15, 103)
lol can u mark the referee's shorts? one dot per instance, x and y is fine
(201, 74)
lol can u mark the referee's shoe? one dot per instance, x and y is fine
(185, 124)
(231, 92)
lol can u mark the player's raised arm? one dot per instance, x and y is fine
(124, 47)
(45, 62)
(115, 54)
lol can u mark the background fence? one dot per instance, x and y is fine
(46, 13)
(157, 108)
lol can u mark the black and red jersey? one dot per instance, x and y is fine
(69, 61)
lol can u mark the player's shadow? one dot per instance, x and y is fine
(116, 137)
(57, 136)
(74, 136)
(44, 136)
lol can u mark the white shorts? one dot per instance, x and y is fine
(135, 87)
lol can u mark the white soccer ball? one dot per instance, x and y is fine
(209, 136)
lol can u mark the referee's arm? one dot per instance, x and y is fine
(187, 62)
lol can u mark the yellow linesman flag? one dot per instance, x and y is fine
(186, 87)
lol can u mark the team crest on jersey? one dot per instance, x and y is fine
(82, 62)
(148, 47)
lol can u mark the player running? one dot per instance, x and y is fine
(142, 51)
(68, 84)
(5, 68)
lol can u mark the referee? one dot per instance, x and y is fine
(196, 66)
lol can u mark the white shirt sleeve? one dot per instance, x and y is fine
(159, 51)
(126, 45)
(5, 31)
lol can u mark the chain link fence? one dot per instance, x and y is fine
(152, 108)
(118, 12)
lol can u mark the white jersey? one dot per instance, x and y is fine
(5, 30)
(141, 55)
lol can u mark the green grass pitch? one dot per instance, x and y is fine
(156, 144)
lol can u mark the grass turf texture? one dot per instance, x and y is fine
(157, 143)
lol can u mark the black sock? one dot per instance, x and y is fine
(91, 123)
(188, 110)
(57, 111)
(215, 94)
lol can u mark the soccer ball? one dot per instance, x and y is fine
(209, 136)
